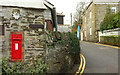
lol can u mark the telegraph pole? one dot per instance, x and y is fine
(71, 18)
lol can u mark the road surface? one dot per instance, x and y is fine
(99, 59)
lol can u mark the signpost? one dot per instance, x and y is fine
(78, 32)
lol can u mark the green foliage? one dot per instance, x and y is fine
(74, 43)
(108, 10)
(69, 40)
(116, 20)
(37, 66)
(110, 21)
(9, 68)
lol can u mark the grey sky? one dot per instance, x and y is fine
(67, 7)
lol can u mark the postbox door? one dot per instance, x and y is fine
(16, 47)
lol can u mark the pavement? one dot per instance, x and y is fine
(99, 58)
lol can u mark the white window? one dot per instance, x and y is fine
(90, 31)
(113, 9)
(85, 19)
(90, 14)
(85, 33)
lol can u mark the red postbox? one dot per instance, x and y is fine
(16, 46)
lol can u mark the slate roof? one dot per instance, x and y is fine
(39, 4)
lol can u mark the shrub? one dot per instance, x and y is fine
(74, 43)
(64, 51)
(37, 66)
(68, 39)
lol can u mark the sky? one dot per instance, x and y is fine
(66, 7)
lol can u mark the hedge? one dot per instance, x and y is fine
(111, 40)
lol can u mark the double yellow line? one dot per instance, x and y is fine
(104, 45)
(108, 45)
(82, 65)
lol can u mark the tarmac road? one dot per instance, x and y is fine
(99, 59)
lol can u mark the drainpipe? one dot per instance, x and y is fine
(53, 13)
(54, 17)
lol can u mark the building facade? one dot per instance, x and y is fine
(93, 16)
(22, 27)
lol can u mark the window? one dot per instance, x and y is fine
(90, 14)
(90, 31)
(113, 9)
(85, 19)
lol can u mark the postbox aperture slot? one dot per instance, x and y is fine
(16, 38)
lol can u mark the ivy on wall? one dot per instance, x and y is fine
(33, 66)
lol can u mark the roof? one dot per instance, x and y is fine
(101, 2)
(60, 14)
(48, 4)
(106, 1)
(39, 4)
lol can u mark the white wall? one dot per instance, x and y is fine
(109, 32)
(63, 28)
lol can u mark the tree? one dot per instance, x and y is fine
(110, 21)
(77, 19)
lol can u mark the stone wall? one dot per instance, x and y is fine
(111, 32)
(33, 37)
(59, 58)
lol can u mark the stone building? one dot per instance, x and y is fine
(93, 16)
(22, 26)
